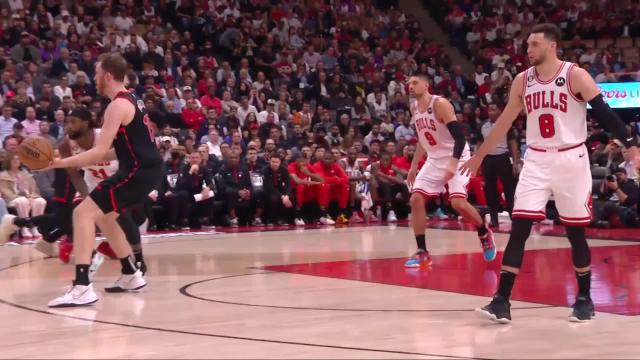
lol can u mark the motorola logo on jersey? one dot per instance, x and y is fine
(430, 110)
(547, 100)
(530, 78)
(560, 81)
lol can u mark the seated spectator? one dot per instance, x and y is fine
(18, 132)
(6, 121)
(192, 115)
(210, 162)
(390, 186)
(18, 189)
(256, 167)
(618, 200)
(305, 185)
(237, 188)
(45, 127)
(404, 131)
(30, 123)
(214, 142)
(403, 163)
(334, 187)
(277, 188)
(373, 135)
(359, 197)
(189, 184)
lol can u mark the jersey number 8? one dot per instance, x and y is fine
(547, 125)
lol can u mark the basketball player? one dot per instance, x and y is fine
(554, 95)
(81, 135)
(126, 129)
(442, 140)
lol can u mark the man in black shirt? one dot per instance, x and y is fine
(237, 188)
(195, 179)
(277, 188)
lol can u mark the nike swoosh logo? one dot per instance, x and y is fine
(530, 85)
(581, 155)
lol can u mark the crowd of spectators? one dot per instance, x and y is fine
(266, 112)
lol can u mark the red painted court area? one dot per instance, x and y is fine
(547, 276)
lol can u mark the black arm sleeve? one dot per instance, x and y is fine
(610, 121)
(458, 136)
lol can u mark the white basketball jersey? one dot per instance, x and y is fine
(556, 118)
(434, 136)
(94, 174)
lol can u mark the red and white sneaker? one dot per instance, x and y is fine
(65, 248)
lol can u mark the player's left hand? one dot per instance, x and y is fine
(471, 166)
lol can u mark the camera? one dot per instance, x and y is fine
(611, 178)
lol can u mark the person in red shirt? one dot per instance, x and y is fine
(192, 116)
(335, 186)
(390, 185)
(304, 183)
(211, 101)
(404, 162)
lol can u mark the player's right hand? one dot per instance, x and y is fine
(471, 166)
(411, 176)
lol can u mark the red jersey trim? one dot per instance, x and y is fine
(535, 75)
(573, 95)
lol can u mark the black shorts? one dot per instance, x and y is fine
(124, 190)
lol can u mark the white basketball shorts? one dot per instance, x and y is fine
(430, 180)
(564, 174)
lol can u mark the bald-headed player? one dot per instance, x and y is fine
(441, 138)
(554, 94)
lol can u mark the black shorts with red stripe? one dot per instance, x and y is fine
(126, 189)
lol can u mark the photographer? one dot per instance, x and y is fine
(618, 199)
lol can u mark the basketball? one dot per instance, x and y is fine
(35, 152)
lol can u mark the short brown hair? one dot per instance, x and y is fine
(550, 31)
(114, 64)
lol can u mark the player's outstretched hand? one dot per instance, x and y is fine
(471, 166)
(56, 163)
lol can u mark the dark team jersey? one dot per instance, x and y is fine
(134, 144)
(63, 190)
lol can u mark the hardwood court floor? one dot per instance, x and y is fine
(323, 293)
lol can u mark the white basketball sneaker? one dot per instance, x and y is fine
(96, 261)
(127, 283)
(77, 295)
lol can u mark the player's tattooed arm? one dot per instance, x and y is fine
(503, 124)
(74, 174)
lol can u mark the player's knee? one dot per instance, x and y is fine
(417, 201)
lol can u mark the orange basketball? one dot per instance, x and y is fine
(35, 152)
